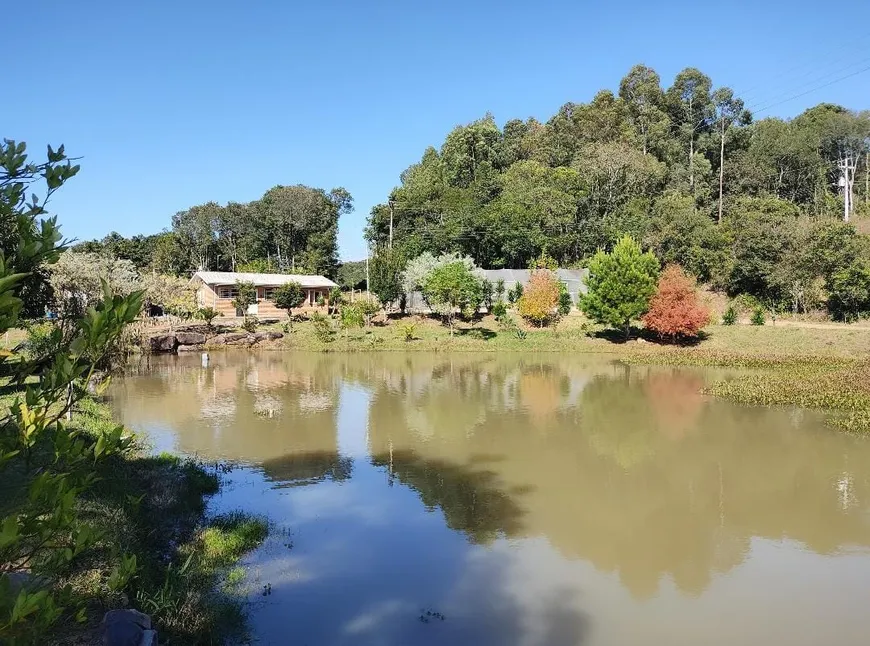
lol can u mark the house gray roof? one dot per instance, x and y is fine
(260, 280)
(574, 279)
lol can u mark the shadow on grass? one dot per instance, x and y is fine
(481, 333)
(618, 337)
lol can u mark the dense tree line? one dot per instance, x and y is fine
(749, 205)
(290, 228)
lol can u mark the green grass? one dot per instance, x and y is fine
(12, 338)
(152, 507)
(196, 601)
(721, 344)
(227, 538)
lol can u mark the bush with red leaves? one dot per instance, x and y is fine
(676, 311)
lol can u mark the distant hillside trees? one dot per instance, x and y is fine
(291, 229)
(685, 170)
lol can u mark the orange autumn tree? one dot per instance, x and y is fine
(675, 310)
(540, 297)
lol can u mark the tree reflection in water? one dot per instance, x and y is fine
(307, 468)
(630, 469)
(469, 496)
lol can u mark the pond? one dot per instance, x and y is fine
(521, 500)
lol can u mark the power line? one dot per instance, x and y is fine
(814, 79)
(811, 90)
(781, 77)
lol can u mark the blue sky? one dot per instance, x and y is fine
(172, 104)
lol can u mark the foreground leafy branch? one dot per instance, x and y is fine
(41, 534)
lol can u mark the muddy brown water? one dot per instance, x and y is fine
(521, 500)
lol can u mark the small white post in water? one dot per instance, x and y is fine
(205, 359)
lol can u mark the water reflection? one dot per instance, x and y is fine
(470, 496)
(306, 468)
(601, 487)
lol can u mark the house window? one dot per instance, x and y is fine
(227, 291)
(269, 294)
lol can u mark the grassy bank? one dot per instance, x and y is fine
(149, 511)
(721, 345)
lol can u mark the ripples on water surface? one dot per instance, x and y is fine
(528, 500)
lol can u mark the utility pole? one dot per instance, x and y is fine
(368, 253)
(847, 165)
(391, 203)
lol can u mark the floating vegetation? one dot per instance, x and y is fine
(842, 390)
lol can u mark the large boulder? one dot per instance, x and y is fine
(163, 343)
(269, 335)
(240, 338)
(127, 628)
(230, 337)
(190, 338)
(190, 348)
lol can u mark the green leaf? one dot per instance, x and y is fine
(9, 531)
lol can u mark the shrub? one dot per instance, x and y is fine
(499, 289)
(172, 294)
(487, 289)
(43, 340)
(499, 310)
(620, 284)
(757, 316)
(682, 234)
(288, 297)
(368, 307)
(322, 327)
(540, 298)
(77, 279)
(850, 292)
(762, 234)
(544, 262)
(247, 296)
(351, 316)
(47, 466)
(730, 316)
(334, 299)
(250, 323)
(418, 269)
(453, 287)
(515, 293)
(675, 310)
(208, 314)
(565, 302)
(746, 302)
(408, 330)
(386, 275)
